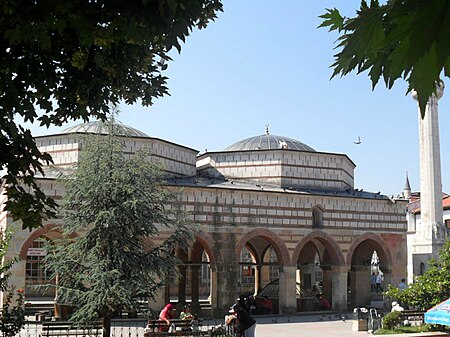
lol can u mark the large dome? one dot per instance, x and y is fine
(269, 142)
(99, 127)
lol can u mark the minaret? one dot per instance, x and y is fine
(430, 234)
(407, 188)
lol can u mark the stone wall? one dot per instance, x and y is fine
(287, 169)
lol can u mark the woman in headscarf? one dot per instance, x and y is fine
(167, 314)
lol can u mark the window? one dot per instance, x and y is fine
(273, 270)
(35, 270)
(317, 217)
(247, 271)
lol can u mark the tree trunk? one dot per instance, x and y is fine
(106, 326)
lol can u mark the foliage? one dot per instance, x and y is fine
(116, 203)
(12, 315)
(404, 329)
(392, 319)
(430, 288)
(401, 39)
(70, 59)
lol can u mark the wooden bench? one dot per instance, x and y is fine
(182, 328)
(66, 328)
(415, 317)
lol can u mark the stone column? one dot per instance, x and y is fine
(182, 284)
(360, 286)
(339, 288)
(287, 290)
(327, 284)
(430, 234)
(258, 278)
(195, 303)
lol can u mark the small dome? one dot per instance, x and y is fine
(269, 142)
(99, 127)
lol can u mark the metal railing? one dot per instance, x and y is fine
(130, 328)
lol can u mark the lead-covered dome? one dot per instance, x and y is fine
(269, 142)
(99, 127)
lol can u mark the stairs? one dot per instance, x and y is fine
(377, 301)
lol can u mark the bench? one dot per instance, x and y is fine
(182, 328)
(66, 328)
(415, 317)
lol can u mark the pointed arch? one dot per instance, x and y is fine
(332, 248)
(42, 231)
(277, 243)
(208, 244)
(375, 242)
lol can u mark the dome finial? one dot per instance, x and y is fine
(267, 129)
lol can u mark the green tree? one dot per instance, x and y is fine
(12, 312)
(116, 202)
(401, 39)
(430, 288)
(63, 60)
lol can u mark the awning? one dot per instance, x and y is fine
(439, 314)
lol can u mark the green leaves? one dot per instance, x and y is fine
(71, 60)
(430, 288)
(401, 39)
(332, 19)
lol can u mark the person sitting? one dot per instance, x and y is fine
(396, 307)
(323, 303)
(166, 315)
(186, 315)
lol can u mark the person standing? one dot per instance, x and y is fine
(246, 323)
(373, 282)
(379, 281)
(402, 285)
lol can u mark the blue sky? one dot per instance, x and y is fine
(265, 62)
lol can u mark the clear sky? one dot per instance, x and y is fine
(265, 62)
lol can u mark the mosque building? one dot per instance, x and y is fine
(277, 218)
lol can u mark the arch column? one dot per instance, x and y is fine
(360, 285)
(195, 303)
(287, 290)
(339, 287)
(258, 278)
(182, 284)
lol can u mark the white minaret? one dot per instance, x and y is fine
(407, 188)
(430, 234)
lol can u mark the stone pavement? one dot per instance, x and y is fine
(315, 326)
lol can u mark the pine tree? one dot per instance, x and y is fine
(115, 202)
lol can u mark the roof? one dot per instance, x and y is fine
(219, 183)
(269, 142)
(100, 127)
(414, 204)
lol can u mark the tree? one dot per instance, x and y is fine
(401, 39)
(69, 60)
(12, 316)
(430, 288)
(117, 204)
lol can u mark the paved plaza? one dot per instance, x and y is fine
(316, 326)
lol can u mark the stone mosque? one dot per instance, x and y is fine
(277, 219)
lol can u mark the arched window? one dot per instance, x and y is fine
(422, 268)
(317, 217)
(35, 271)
